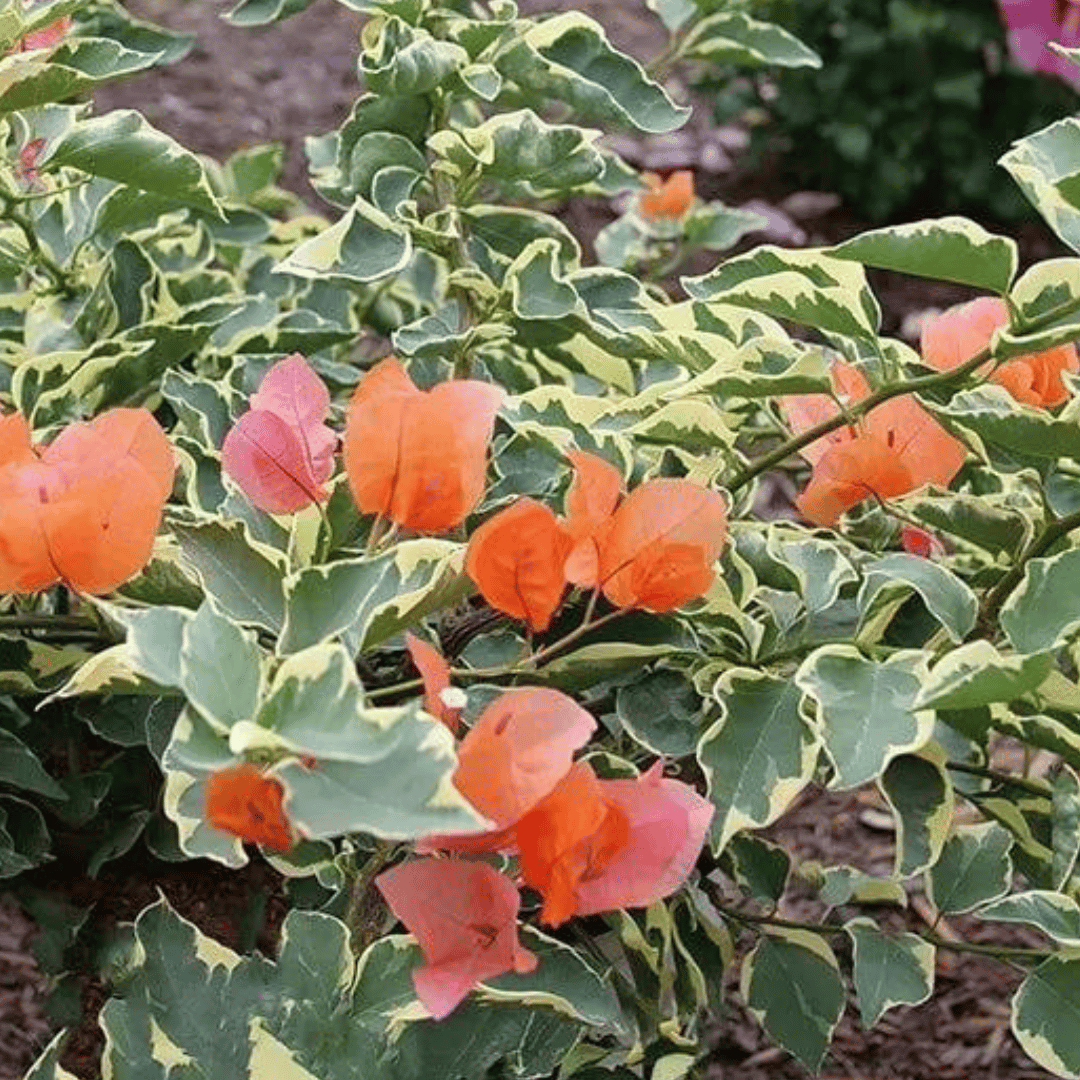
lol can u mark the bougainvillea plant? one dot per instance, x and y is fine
(409, 547)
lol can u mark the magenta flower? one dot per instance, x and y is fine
(1033, 24)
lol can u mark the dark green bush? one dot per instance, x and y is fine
(916, 101)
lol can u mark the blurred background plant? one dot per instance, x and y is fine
(914, 104)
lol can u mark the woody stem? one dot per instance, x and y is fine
(1040, 545)
(938, 381)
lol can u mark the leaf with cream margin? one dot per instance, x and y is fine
(758, 755)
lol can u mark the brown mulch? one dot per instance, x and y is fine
(23, 1028)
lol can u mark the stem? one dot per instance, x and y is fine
(59, 277)
(1040, 544)
(939, 380)
(518, 667)
(47, 622)
(358, 915)
(999, 952)
(1030, 786)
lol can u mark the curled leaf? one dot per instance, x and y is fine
(517, 559)
(247, 803)
(464, 918)
(956, 335)
(280, 452)
(86, 510)
(418, 458)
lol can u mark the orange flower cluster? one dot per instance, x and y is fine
(244, 801)
(896, 448)
(585, 844)
(654, 550)
(958, 334)
(84, 511)
(668, 199)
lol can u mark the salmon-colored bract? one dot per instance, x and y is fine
(519, 748)
(464, 918)
(85, 510)
(244, 801)
(671, 198)
(435, 672)
(896, 448)
(956, 335)
(517, 559)
(597, 845)
(418, 458)
(280, 452)
(590, 501)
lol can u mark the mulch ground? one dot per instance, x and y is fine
(244, 87)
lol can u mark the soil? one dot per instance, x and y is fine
(244, 87)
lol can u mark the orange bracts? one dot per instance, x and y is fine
(464, 918)
(516, 560)
(654, 551)
(435, 673)
(280, 452)
(894, 449)
(242, 800)
(598, 845)
(956, 335)
(418, 458)
(670, 198)
(85, 510)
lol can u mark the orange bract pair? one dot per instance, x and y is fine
(956, 335)
(247, 803)
(280, 452)
(85, 510)
(894, 449)
(586, 844)
(671, 198)
(655, 550)
(418, 458)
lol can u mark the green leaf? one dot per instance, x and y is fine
(24, 837)
(242, 576)
(368, 600)
(759, 755)
(220, 668)
(262, 12)
(946, 249)
(977, 674)
(791, 983)
(994, 528)
(918, 790)
(1064, 827)
(809, 287)
(568, 58)
(758, 865)
(538, 290)
(673, 13)
(401, 60)
(733, 37)
(1047, 295)
(380, 771)
(996, 420)
(889, 969)
(974, 868)
(1040, 614)
(1046, 1015)
(47, 1066)
(1053, 913)
(363, 246)
(662, 712)
(20, 767)
(865, 709)
(122, 146)
(1046, 165)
